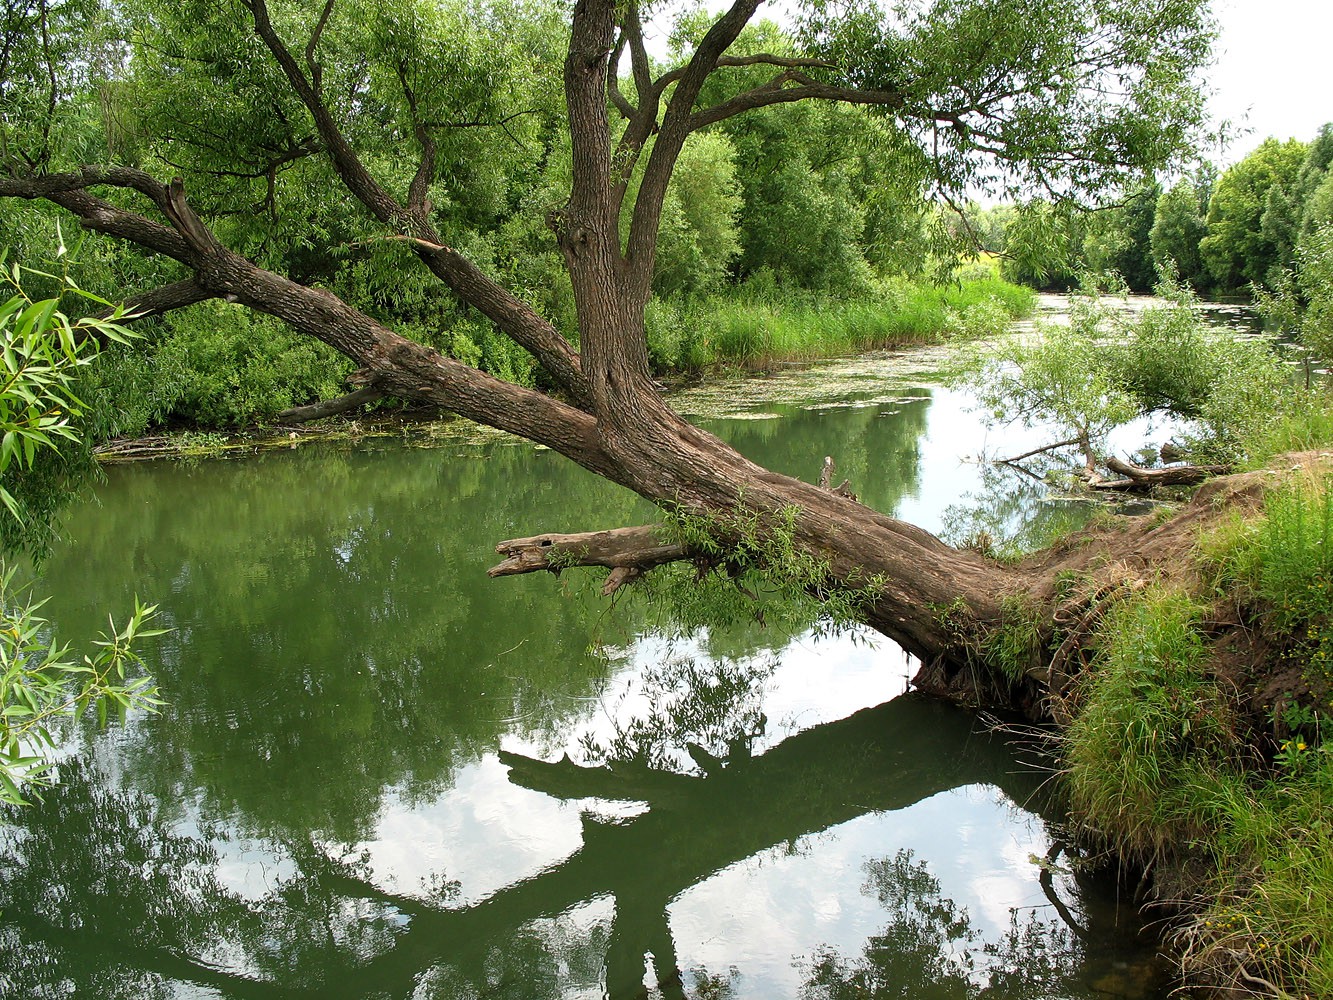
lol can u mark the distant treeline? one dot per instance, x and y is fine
(1256, 226)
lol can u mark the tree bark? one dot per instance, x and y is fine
(1138, 478)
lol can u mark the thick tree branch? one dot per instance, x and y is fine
(627, 552)
(348, 165)
(316, 70)
(511, 315)
(67, 191)
(671, 137)
(758, 59)
(777, 91)
(330, 407)
(638, 54)
(177, 295)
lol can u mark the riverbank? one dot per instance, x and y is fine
(1193, 721)
(224, 373)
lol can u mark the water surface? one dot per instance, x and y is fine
(355, 787)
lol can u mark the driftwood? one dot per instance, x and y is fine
(330, 407)
(1135, 477)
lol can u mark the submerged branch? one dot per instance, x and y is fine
(1015, 459)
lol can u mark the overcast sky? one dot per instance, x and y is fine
(1274, 72)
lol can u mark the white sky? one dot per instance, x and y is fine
(1274, 72)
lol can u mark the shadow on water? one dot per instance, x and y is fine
(101, 894)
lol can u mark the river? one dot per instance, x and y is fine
(322, 809)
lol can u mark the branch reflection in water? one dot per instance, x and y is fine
(103, 893)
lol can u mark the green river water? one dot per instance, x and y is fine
(320, 809)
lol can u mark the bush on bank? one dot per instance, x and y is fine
(1168, 763)
(217, 366)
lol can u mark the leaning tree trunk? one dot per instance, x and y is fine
(942, 604)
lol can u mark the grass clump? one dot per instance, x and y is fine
(1267, 926)
(1015, 646)
(761, 323)
(1151, 729)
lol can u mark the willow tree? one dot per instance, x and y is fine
(1057, 96)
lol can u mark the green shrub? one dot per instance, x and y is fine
(1152, 728)
(761, 322)
(213, 366)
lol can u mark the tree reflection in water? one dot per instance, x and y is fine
(103, 897)
(930, 949)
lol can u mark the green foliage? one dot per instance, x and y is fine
(1302, 421)
(1058, 377)
(1151, 726)
(830, 193)
(40, 352)
(1301, 299)
(1108, 366)
(214, 366)
(1060, 132)
(1237, 249)
(1117, 240)
(752, 572)
(42, 356)
(41, 686)
(1177, 228)
(699, 239)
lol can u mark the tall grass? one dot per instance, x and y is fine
(755, 329)
(1156, 760)
(1283, 563)
(1302, 420)
(1150, 729)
